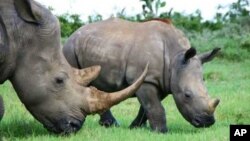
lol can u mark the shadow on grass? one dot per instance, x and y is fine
(21, 129)
(183, 129)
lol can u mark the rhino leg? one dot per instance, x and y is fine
(140, 120)
(107, 119)
(151, 103)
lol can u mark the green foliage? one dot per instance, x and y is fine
(193, 22)
(150, 8)
(236, 10)
(69, 23)
(230, 31)
(233, 38)
(122, 15)
(189, 22)
(94, 18)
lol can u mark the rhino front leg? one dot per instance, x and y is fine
(151, 103)
(107, 119)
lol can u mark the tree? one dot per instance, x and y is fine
(236, 10)
(150, 8)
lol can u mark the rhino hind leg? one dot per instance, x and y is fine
(140, 120)
(108, 120)
(151, 103)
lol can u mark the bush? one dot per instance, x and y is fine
(230, 31)
(232, 38)
(69, 23)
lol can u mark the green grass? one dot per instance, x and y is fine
(230, 81)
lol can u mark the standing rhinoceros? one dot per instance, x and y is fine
(31, 58)
(122, 48)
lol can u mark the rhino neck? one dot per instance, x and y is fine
(172, 48)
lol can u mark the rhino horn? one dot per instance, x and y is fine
(99, 101)
(86, 75)
(213, 104)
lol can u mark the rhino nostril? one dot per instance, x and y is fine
(75, 125)
(203, 120)
(197, 120)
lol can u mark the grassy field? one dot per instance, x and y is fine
(230, 81)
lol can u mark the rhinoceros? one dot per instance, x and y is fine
(31, 58)
(122, 48)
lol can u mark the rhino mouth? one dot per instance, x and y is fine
(203, 120)
(64, 126)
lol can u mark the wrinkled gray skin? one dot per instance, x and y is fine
(122, 48)
(31, 58)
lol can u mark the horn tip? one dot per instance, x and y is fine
(97, 68)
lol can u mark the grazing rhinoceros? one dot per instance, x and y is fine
(122, 48)
(31, 58)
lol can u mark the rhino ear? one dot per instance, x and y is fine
(86, 75)
(25, 10)
(189, 54)
(208, 56)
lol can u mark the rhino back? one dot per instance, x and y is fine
(99, 44)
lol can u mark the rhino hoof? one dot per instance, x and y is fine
(109, 123)
(138, 125)
(163, 130)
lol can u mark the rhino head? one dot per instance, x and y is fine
(189, 91)
(53, 92)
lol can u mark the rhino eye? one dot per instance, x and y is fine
(188, 95)
(59, 80)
